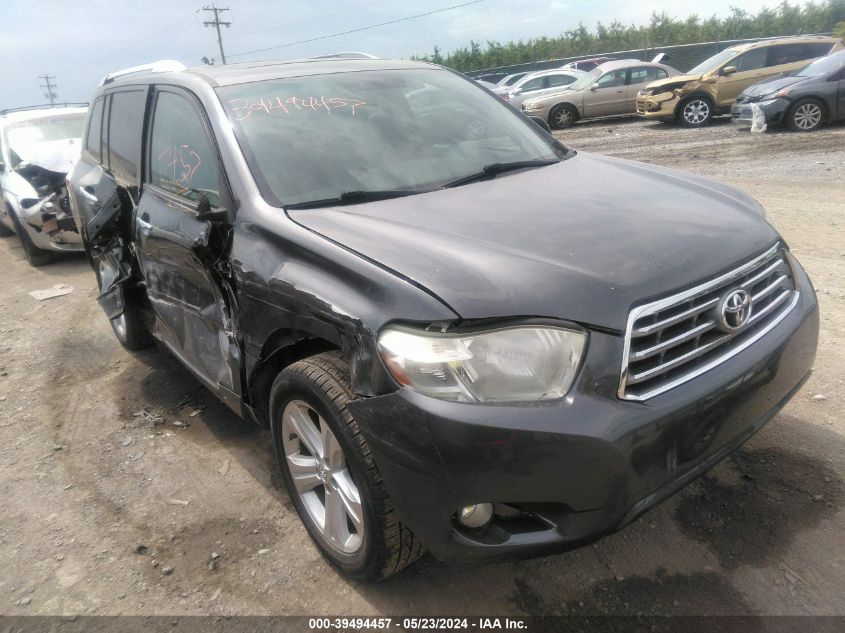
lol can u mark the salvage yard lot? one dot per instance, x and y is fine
(108, 510)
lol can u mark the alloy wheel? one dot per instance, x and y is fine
(807, 116)
(696, 111)
(563, 118)
(321, 475)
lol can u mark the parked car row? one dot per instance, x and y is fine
(659, 92)
(713, 86)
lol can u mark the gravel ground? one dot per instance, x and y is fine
(128, 489)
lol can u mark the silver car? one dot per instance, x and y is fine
(608, 90)
(541, 83)
(38, 147)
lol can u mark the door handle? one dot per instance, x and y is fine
(146, 227)
(88, 194)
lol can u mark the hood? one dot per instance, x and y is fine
(581, 240)
(677, 79)
(774, 84)
(57, 156)
(566, 95)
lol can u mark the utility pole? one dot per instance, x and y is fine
(216, 23)
(48, 86)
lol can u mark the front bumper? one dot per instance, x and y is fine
(660, 107)
(51, 229)
(773, 109)
(576, 469)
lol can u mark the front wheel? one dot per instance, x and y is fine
(695, 112)
(562, 116)
(805, 116)
(330, 474)
(34, 255)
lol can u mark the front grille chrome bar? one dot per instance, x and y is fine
(673, 340)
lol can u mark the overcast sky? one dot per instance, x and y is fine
(80, 42)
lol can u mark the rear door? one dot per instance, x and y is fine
(182, 230)
(609, 96)
(104, 189)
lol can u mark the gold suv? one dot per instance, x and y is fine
(711, 87)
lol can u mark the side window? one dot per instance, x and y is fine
(788, 54)
(660, 73)
(560, 80)
(126, 117)
(612, 79)
(534, 84)
(182, 159)
(819, 49)
(752, 60)
(642, 75)
(95, 130)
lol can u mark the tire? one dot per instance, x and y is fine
(366, 541)
(562, 116)
(34, 255)
(129, 328)
(695, 112)
(805, 115)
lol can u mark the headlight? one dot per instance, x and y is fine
(519, 363)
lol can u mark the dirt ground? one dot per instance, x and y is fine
(104, 511)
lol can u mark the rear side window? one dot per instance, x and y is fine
(818, 50)
(182, 158)
(646, 74)
(95, 130)
(126, 117)
(788, 54)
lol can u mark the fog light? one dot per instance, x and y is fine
(476, 516)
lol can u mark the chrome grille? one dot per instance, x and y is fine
(673, 340)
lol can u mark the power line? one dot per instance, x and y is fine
(49, 88)
(358, 30)
(312, 18)
(216, 23)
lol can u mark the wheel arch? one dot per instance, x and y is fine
(281, 348)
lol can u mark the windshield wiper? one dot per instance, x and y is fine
(494, 169)
(354, 197)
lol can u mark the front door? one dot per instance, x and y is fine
(608, 97)
(182, 230)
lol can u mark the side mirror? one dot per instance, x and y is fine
(729, 70)
(541, 122)
(595, 86)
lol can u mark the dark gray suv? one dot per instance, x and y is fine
(464, 336)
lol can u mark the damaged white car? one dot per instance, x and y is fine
(38, 147)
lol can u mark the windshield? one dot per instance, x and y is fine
(587, 80)
(712, 63)
(26, 137)
(316, 137)
(823, 66)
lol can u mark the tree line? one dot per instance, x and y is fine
(662, 30)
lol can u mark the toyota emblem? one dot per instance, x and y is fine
(735, 310)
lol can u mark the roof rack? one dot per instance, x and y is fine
(45, 106)
(346, 55)
(161, 66)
